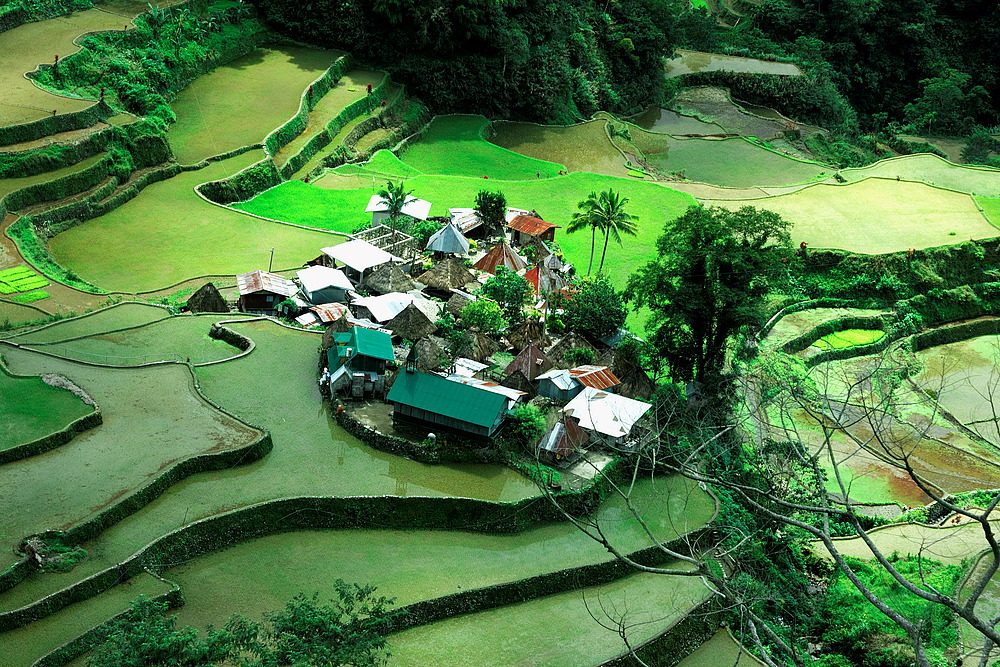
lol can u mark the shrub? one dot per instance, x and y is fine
(526, 424)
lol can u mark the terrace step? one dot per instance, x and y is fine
(70, 136)
(8, 185)
(40, 208)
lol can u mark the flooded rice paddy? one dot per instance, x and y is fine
(691, 62)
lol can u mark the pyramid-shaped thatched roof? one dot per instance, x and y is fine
(517, 380)
(481, 347)
(528, 332)
(447, 275)
(636, 384)
(448, 239)
(207, 300)
(458, 301)
(429, 354)
(389, 278)
(411, 323)
(568, 342)
(501, 255)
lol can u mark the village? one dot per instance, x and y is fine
(414, 348)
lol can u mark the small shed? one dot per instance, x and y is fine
(207, 300)
(458, 300)
(357, 361)
(325, 314)
(609, 417)
(415, 208)
(438, 404)
(525, 228)
(358, 258)
(598, 377)
(545, 280)
(262, 291)
(501, 255)
(382, 308)
(467, 220)
(321, 284)
(448, 240)
(411, 323)
(447, 276)
(530, 361)
(558, 385)
(562, 442)
(469, 368)
(389, 278)
(528, 332)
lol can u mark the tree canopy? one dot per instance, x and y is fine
(595, 309)
(509, 290)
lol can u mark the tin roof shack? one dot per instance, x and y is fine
(415, 208)
(562, 443)
(609, 418)
(526, 228)
(564, 385)
(358, 258)
(438, 404)
(501, 255)
(468, 221)
(261, 292)
(321, 284)
(531, 361)
(448, 241)
(325, 314)
(356, 361)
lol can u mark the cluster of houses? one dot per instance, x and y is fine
(371, 294)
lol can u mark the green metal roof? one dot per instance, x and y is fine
(439, 395)
(369, 342)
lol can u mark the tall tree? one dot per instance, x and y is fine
(492, 209)
(395, 196)
(580, 221)
(509, 290)
(708, 281)
(604, 212)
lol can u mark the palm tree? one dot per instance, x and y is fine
(395, 198)
(584, 220)
(609, 215)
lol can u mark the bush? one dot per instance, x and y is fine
(579, 356)
(526, 424)
(485, 315)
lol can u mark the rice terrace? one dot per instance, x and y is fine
(549, 332)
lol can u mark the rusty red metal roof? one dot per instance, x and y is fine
(329, 312)
(531, 361)
(501, 255)
(598, 377)
(529, 225)
(262, 281)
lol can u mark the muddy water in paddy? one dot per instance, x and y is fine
(689, 62)
(658, 119)
(583, 147)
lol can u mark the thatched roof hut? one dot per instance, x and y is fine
(528, 332)
(481, 346)
(389, 278)
(530, 362)
(430, 354)
(447, 275)
(458, 301)
(570, 341)
(517, 380)
(411, 323)
(636, 384)
(207, 300)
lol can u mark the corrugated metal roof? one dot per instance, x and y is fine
(329, 312)
(262, 281)
(455, 400)
(417, 208)
(501, 255)
(448, 239)
(598, 377)
(467, 219)
(371, 343)
(529, 225)
(529, 361)
(307, 319)
(468, 367)
(606, 413)
(359, 255)
(315, 278)
(385, 307)
(560, 378)
(514, 212)
(563, 438)
(513, 395)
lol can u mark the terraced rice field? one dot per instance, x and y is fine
(238, 104)
(876, 216)
(849, 338)
(122, 316)
(20, 279)
(932, 170)
(690, 62)
(8, 185)
(181, 236)
(736, 163)
(658, 119)
(721, 649)
(583, 147)
(33, 409)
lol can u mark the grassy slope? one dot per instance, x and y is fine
(933, 170)
(33, 409)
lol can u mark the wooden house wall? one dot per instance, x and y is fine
(447, 423)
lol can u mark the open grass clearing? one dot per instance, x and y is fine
(581, 147)
(272, 387)
(556, 630)
(849, 338)
(454, 146)
(932, 170)
(690, 62)
(179, 338)
(241, 102)
(152, 419)
(350, 88)
(991, 209)
(33, 409)
(436, 563)
(735, 162)
(24, 646)
(121, 316)
(175, 235)
(876, 216)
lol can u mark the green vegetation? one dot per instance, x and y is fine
(485, 315)
(30, 297)
(509, 290)
(848, 338)
(33, 409)
(595, 309)
(20, 279)
(525, 425)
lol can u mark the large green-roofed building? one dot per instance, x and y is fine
(443, 405)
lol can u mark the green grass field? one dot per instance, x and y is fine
(177, 236)
(932, 170)
(239, 103)
(33, 409)
(991, 209)
(876, 216)
(453, 145)
(849, 338)
(20, 279)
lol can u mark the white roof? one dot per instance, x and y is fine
(468, 367)
(467, 219)
(417, 208)
(606, 413)
(359, 255)
(315, 278)
(513, 395)
(385, 307)
(514, 212)
(307, 318)
(560, 378)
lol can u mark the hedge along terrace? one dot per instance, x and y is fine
(142, 68)
(239, 103)
(312, 456)
(141, 439)
(175, 235)
(34, 409)
(876, 216)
